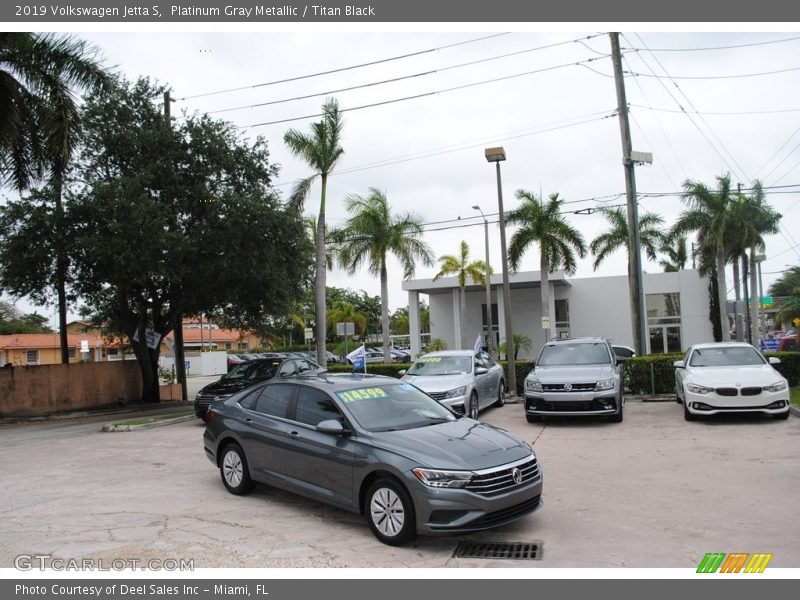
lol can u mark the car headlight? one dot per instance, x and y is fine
(443, 479)
(698, 389)
(459, 391)
(775, 387)
(531, 385)
(606, 384)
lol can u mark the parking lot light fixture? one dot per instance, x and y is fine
(497, 155)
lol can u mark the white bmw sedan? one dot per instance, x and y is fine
(729, 377)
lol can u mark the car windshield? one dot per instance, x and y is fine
(725, 357)
(254, 370)
(441, 365)
(393, 406)
(574, 354)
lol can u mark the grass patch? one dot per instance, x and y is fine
(794, 395)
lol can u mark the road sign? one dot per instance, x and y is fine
(766, 301)
(345, 329)
(309, 333)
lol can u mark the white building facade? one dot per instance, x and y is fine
(676, 305)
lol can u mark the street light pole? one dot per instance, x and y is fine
(496, 155)
(489, 328)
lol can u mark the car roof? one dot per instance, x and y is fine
(343, 381)
(469, 353)
(580, 340)
(721, 345)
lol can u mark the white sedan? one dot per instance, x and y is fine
(729, 377)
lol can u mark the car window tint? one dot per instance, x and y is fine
(288, 368)
(274, 400)
(487, 360)
(315, 406)
(266, 370)
(250, 400)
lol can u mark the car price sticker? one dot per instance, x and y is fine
(362, 394)
(430, 359)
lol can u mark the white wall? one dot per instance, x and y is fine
(200, 363)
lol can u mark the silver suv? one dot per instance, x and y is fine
(580, 376)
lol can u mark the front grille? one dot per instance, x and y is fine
(501, 480)
(438, 395)
(541, 405)
(573, 387)
(504, 550)
(204, 400)
(750, 391)
(727, 391)
(499, 517)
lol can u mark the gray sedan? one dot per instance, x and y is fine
(376, 446)
(463, 380)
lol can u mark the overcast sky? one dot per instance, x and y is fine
(555, 118)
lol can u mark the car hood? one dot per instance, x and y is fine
(740, 376)
(573, 373)
(223, 387)
(463, 444)
(438, 383)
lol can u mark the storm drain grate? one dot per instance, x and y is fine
(505, 550)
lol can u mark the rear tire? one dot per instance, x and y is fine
(234, 470)
(390, 512)
(501, 395)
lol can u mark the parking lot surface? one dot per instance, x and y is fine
(653, 491)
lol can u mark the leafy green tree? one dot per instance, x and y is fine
(370, 235)
(369, 306)
(321, 149)
(676, 254)
(178, 220)
(462, 268)
(344, 312)
(40, 125)
(559, 242)
(12, 321)
(709, 214)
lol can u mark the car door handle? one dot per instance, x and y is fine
(294, 433)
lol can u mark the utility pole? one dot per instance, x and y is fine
(634, 243)
(177, 327)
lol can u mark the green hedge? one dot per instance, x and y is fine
(656, 374)
(392, 370)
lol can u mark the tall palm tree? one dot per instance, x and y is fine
(753, 219)
(677, 254)
(344, 312)
(40, 123)
(462, 268)
(370, 235)
(558, 241)
(616, 236)
(321, 149)
(709, 214)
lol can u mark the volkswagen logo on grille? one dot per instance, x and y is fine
(567, 387)
(516, 475)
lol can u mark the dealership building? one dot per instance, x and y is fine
(676, 304)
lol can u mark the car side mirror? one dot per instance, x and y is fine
(402, 372)
(679, 364)
(774, 360)
(331, 426)
(481, 370)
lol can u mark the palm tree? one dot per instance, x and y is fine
(344, 312)
(321, 149)
(40, 124)
(558, 241)
(753, 219)
(709, 214)
(372, 233)
(677, 254)
(787, 288)
(462, 268)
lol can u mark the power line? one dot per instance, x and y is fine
(341, 69)
(749, 45)
(717, 113)
(785, 158)
(710, 77)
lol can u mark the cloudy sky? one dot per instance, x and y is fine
(704, 104)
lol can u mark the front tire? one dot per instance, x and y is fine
(782, 416)
(501, 396)
(533, 418)
(473, 406)
(617, 417)
(390, 512)
(234, 470)
(687, 415)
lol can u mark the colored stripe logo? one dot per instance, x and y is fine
(736, 562)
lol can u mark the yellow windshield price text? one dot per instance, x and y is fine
(362, 394)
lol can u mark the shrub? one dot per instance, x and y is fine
(789, 367)
(651, 374)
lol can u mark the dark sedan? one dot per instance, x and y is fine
(376, 446)
(249, 373)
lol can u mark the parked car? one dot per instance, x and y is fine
(788, 343)
(249, 373)
(400, 355)
(376, 446)
(579, 376)
(235, 359)
(623, 351)
(463, 380)
(372, 356)
(729, 377)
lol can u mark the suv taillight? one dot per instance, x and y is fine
(208, 416)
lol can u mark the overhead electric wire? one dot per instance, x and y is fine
(785, 158)
(717, 113)
(748, 45)
(341, 69)
(711, 77)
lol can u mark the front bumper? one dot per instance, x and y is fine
(770, 403)
(442, 511)
(566, 404)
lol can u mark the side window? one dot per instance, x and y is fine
(275, 399)
(305, 365)
(315, 406)
(288, 368)
(488, 361)
(250, 400)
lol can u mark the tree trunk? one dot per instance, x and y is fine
(755, 300)
(387, 357)
(737, 317)
(320, 279)
(544, 268)
(147, 365)
(61, 268)
(462, 319)
(722, 293)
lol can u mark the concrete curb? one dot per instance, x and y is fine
(115, 410)
(114, 428)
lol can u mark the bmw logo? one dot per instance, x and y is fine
(516, 475)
